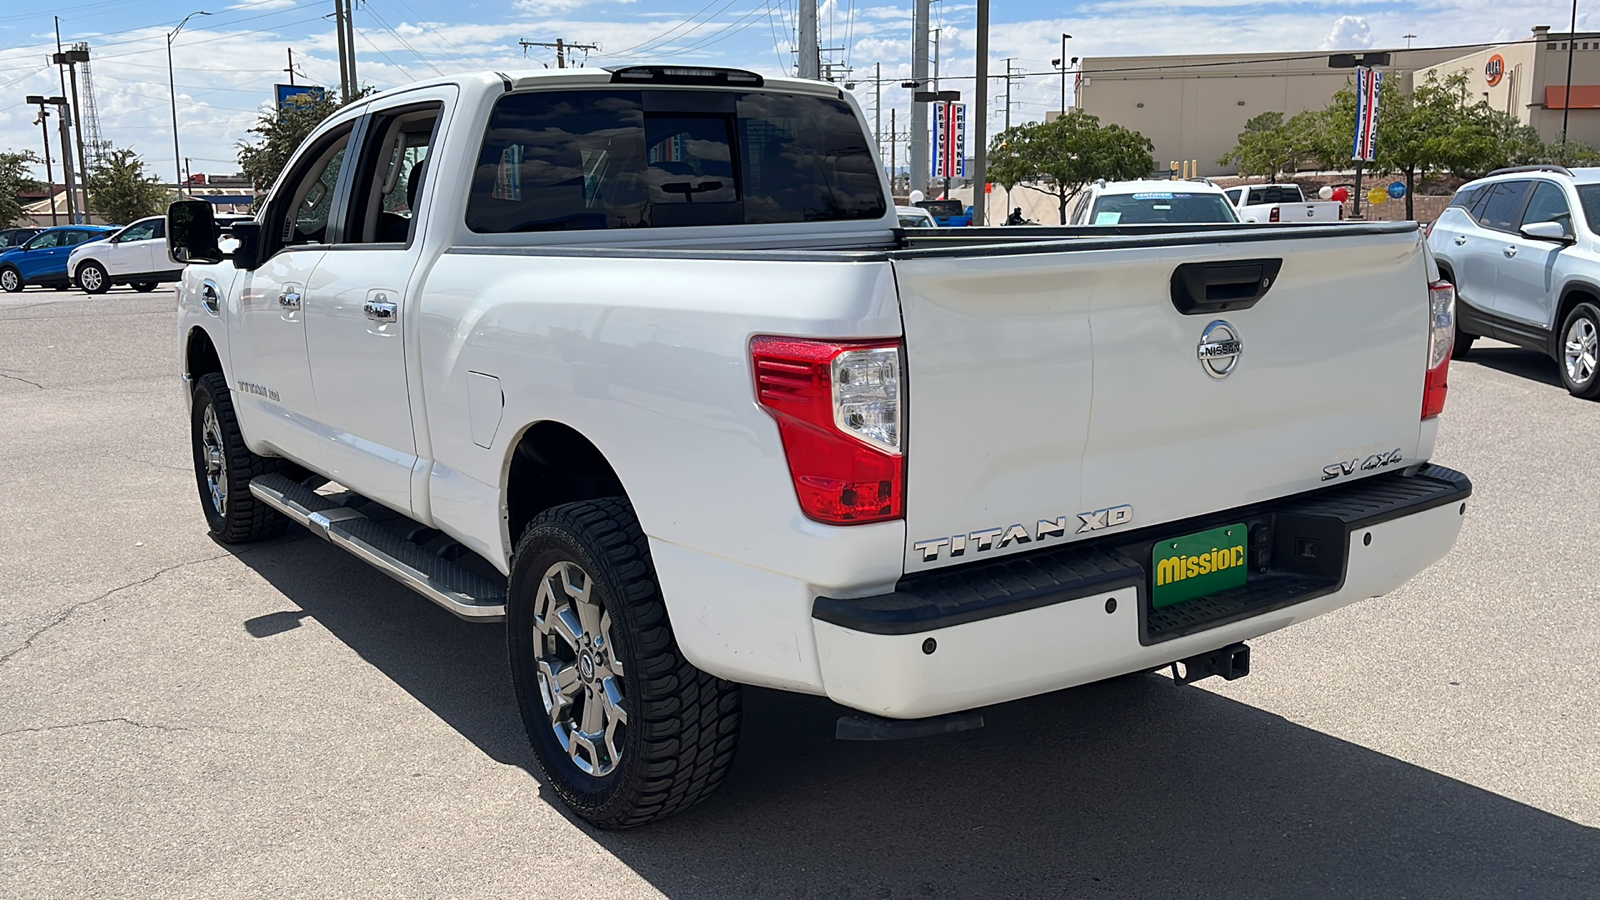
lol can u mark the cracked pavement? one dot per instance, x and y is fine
(180, 719)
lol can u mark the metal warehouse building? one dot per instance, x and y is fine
(1194, 107)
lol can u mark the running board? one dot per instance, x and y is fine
(449, 584)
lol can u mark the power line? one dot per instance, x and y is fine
(407, 44)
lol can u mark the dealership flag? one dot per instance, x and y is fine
(1368, 84)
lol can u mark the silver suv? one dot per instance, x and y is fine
(1522, 247)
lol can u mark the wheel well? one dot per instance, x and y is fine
(554, 464)
(200, 357)
(1573, 296)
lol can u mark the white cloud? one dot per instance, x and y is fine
(264, 5)
(1349, 32)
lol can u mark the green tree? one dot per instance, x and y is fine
(15, 179)
(1059, 157)
(1267, 146)
(121, 191)
(282, 134)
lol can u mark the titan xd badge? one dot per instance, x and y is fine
(992, 538)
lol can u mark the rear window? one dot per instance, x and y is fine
(1159, 207)
(1275, 194)
(564, 160)
(909, 221)
(944, 208)
(1464, 198)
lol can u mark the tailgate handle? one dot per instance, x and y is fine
(1200, 289)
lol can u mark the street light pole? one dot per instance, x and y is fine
(1064, 38)
(1566, 105)
(172, 86)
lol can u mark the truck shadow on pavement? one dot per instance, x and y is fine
(1132, 788)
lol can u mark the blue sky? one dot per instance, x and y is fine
(227, 62)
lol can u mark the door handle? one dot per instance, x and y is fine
(1510, 251)
(1461, 239)
(289, 298)
(380, 309)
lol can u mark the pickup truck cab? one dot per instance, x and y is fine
(640, 364)
(1281, 203)
(948, 213)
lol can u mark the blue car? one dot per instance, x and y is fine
(42, 259)
(948, 213)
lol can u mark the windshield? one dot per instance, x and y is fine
(944, 208)
(1589, 196)
(909, 221)
(1160, 207)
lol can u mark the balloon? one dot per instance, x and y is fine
(1340, 194)
(1397, 189)
(1377, 196)
(917, 197)
(1325, 192)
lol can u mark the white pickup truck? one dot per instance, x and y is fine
(1281, 203)
(640, 363)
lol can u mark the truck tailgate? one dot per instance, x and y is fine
(1056, 391)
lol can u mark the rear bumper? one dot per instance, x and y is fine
(969, 636)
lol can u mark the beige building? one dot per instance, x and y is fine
(1194, 107)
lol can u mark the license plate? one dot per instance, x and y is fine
(1197, 565)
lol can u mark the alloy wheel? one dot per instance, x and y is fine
(8, 279)
(216, 460)
(580, 676)
(90, 279)
(1580, 352)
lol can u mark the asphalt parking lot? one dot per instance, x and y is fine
(180, 719)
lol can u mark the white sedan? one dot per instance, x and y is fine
(136, 255)
(915, 217)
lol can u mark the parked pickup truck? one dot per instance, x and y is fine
(639, 363)
(1281, 203)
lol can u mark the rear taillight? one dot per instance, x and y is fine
(1275, 216)
(1441, 340)
(840, 411)
(1427, 230)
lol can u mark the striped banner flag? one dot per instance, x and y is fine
(1369, 83)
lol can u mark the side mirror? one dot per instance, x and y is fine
(192, 233)
(1547, 231)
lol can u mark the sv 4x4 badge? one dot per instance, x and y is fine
(1373, 462)
(992, 538)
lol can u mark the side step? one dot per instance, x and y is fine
(447, 583)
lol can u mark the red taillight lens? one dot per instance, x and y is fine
(838, 406)
(1274, 216)
(1441, 340)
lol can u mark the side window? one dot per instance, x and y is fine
(304, 201)
(393, 169)
(1548, 204)
(1464, 199)
(1080, 211)
(1502, 207)
(45, 241)
(73, 238)
(1233, 196)
(143, 231)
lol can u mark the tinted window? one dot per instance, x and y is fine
(1548, 204)
(1589, 198)
(907, 221)
(1156, 207)
(1464, 198)
(557, 160)
(73, 238)
(1275, 194)
(45, 240)
(1502, 205)
(944, 208)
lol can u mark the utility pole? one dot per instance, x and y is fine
(290, 70)
(70, 59)
(1566, 90)
(65, 112)
(350, 43)
(920, 169)
(1009, 76)
(561, 46)
(980, 163)
(49, 176)
(344, 52)
(809, 64)
(894, 140)
(877, 106)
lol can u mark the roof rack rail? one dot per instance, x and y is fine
(1202, 179)
(1559, 170)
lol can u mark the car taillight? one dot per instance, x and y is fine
(1441, 340)
(839, 406)
(1427, 230)
(1275, 216)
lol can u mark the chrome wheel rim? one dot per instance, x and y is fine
(580, 677)
(215, 460)
(8, 280)
(90, 278)
(1580, 352)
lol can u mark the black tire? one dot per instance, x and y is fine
(144, 287)
(1580, 333)
(92, 278)
(682, 725)
(236, 517)
(1463, 342)
(11, 280)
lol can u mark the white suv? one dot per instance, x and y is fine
(136, 255)
(1152, 202)
(1522, 247)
